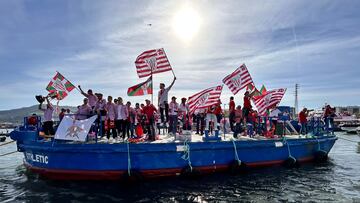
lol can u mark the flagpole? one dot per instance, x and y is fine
(169, 64)
(69, 81)
(152, 87)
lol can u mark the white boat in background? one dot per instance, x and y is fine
(350, 124)
(358, 131)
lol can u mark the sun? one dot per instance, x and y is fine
(186, 23)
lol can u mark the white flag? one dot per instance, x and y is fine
(71, 129)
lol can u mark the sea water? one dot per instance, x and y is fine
(338, 180)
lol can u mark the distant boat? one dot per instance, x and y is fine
(105, 161)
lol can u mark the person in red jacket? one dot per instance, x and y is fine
(149, 111)
(231, 113)
(219, 114)
(303, 121)
(247, 104)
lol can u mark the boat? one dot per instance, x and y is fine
(358, 130)
(94, 160)
(347, 123)
(350, 127)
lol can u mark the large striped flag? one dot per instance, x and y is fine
(269, 100)
(60, 86)
(205, 98)
(151, 62)
(239, 79)
(143, 88)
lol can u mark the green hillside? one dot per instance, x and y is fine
(17, 115)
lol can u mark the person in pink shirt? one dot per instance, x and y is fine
(101, 112)
(48, 121)
(122, 115)
(84, 110)
(90, 96)
(110, 109)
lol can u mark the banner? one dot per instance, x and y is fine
(72, 129)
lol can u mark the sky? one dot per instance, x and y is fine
(95, 43)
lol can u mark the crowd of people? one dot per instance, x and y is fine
(118, 119)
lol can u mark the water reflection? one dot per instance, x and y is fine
(334, 181)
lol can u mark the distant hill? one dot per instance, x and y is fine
(16, 116)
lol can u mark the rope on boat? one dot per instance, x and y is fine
(8, 153)
(7, 143)
(288, 146)
(129, 160)
(186, 155)
(236, 154)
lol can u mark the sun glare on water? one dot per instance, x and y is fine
(186, 23)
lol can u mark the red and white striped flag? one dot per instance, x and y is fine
(239, 79)
(269, 100)
(205, 98)
(151, 62)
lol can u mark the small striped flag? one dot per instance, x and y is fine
(205, 98)
(269, 100)
(239, 79)
(152, 62)
(60, 86)
(143, 88)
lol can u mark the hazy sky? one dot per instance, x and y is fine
(95, 43)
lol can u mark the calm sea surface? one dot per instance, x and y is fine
(336, 181)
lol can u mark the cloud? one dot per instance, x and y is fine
(95, 45)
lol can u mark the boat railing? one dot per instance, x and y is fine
(283, 125)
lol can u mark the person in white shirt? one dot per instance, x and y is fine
(184, 112)
(174, 108)
(48, 121)
(274, 115)
(163, 101)
(100, 110)
(122, 114)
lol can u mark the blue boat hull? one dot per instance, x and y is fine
(113, 161)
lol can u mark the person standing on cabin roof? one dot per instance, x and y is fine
(247, 104)
(149, 111)
(91, 97)
(303, 121)
(163, 101)
(110, 108)
(231, 113)
(83, 111)
(174, 108)
(121, 119)
(48, 121)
